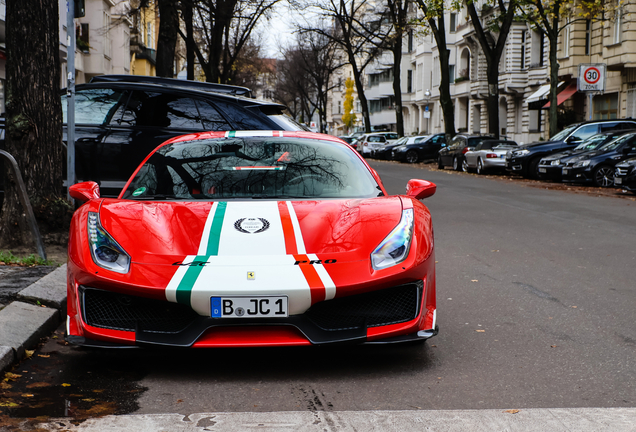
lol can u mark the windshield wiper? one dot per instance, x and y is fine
(154, 197)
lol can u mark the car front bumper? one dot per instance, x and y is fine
(550, 172)
(576, 175)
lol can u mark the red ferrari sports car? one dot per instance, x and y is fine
(227, 239)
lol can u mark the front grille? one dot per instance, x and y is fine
(388, 306)
(110, 310)
(621, 171)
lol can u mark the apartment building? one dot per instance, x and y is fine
(523, 79)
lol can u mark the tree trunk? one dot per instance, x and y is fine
(397, 86)
(167, 40)
(448, 108)
(554, 74)
(190, 55)
(364, 104)
(492, 101)
(33, 113)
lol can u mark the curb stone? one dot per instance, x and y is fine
(23, 323)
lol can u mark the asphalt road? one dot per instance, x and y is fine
(536, 298)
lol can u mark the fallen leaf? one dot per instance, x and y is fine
(8, 404)
(11, 376)
(65, 385)
(27, 395)
(474, 280)
(434, 346)
(179, 400)
(88, 400)
(38, 384)
(54, 337)
(513, 411)
(44, 355)
(5, 386)
(28, 353)
(98, 391)
(496, 250)
(573, 307)
(553, 346)
(480, 331)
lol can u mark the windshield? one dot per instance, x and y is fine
(593, 143)
(287, 123)
(613, 145)
(564, 133)
(254, 167)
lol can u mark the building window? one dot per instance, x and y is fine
(106, 21)
(453, 22)
(409, 81)
(82, 41)
(410, 40)
(451, 73)
(605, 107)
(618, 24)
(588, 36)
(537, 49)
(631, 102)
(523, 49)
(566, 39)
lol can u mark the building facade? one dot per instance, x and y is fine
(523, 78)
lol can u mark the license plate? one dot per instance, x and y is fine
(618, 181)
(542, 170)
(248, 307)
(502, 156)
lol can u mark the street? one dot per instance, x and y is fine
(535, 294)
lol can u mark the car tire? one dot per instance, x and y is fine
(411, 156)
(603, 176)
(457, 166)
(532, 170)
(465, 166)
(440, 165)
(480, 167)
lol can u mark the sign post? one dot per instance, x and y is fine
(592, 78)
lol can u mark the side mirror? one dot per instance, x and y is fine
(84, 191)
(420, 189)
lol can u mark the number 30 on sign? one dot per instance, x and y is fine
(592, 77)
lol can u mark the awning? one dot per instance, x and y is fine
(565, 94)
(539, 94)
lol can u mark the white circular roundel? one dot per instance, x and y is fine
(251, 225)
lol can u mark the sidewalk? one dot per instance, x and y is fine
(28, 314)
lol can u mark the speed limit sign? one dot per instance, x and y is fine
(592, 77)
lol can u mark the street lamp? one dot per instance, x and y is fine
(427, 113)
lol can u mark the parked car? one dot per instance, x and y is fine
(118, 123)
(625, 175)
(419, 148)
(376, 140)
(351, 140)
(453, 154)
(386, 152)
(186, 257)
(525, 159)
(598, 166)
(488, 155)
(550, 167)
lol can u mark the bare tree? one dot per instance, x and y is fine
(356, 30)
(433, 11)
(492, 34)
(224, 27)
(33, 112)
(398, 13)
(167, 40)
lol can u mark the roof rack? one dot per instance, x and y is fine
(204, 86)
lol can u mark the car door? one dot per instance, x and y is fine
(94, 109)
(471, 156)
(148, 119)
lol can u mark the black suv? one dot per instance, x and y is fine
(453, 154)
(120, 119)
(525, 159)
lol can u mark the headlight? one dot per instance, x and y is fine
(581, 164)
(556, 162)
(520, 152)
(401, 148)
(105, 251)
(395, 247)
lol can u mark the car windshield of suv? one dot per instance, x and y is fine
(472, 142)
(564, 133)
(593, 143)
(252, 167)
(613, 145)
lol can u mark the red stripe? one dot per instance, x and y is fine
(288, 228)
(316, 286)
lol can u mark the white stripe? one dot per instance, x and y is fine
(254, 133)
(203, 245)
(68, 324)
(171, 289)
(434, 317)
(300, 243)
(330, 287)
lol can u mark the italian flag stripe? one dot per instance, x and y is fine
(316, 286)
(288, 228)
(184, 290)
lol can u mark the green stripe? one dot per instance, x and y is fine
(215, 229)
(184, 290)
(231, 134)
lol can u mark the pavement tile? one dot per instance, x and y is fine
(23, 324)
(49, 290)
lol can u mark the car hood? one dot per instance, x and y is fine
(628, 162)
(168, 232)
(537, 145)
(587, 155)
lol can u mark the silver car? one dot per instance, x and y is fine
(374, 141)
(487, 155)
